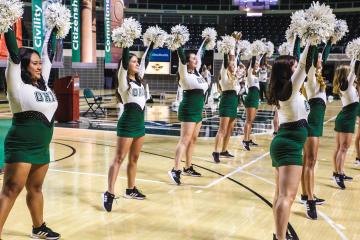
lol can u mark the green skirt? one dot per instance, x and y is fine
(28, 141)
(191, 106)
(5, 125)
(252, 98)
(316, 117)
(286, 147)
(131, 123)
(358, 110)
(228, 104)
(346, 119)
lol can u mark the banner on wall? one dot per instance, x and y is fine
(159, 62)
(3, 50)
(37, 25)
(116, 19)
(75, 30)
(107, 30)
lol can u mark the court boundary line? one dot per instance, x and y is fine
(238, 169)
(326, 218)
(262, 198)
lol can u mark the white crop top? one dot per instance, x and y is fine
(313, 88)
(25, 97)
(226, 83)
(350, 95)
(252, 80)
(133, 92)
(296, 107)
(190, 81)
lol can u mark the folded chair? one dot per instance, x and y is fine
(93, 102)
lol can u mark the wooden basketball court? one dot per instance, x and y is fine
(231, 201)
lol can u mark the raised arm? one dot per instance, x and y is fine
(11, 44)
(311, 77)
(182, 63)
(250, 70)
(122, 73)
(352, 74)
(224, 67)
(199, 55)
(299, 75)
(48, 53)
(145, 60)
(13, 70)
(326, 52)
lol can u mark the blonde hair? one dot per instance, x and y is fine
(320, 79)
(303, 90)
(340, 77)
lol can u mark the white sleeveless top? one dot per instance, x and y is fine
(25, 97)
(313, 89)
(190, 81)
(296, 107)
(133, 92)
(350, 95)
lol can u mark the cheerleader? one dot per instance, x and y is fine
(263, 77)
(33, 105)
(227, 108)
(205, 73)
(357, 138)
(190, 111)
(344, 79)
(315, 91)
(251, 103)
(130, 127)
(287, 77)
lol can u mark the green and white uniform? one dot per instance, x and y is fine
(229, 91)
(32, 127)
(286, 147)
(346, 119)
(317, 102)
(131, 123)
(252, 98)
(194, 87)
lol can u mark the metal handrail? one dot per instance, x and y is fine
(215, 7)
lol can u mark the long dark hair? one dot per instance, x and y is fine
(25, 57)
(280, 87)
(138, 79)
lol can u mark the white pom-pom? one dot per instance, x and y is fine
(58, 16)
(285, 49)
(10, 12)
(178, 37)
(289, 34)
(297, 23)
(226, 45)
(318, 26)
(210, 34)
(243, 46)
(269, 49)
(124, 36)
(258, 47)
(246, 55)
(340, 30)
(353, 49)
(155, 35)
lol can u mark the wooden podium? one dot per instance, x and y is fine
(67, 93)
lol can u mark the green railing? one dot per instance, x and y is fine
(218, 7)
